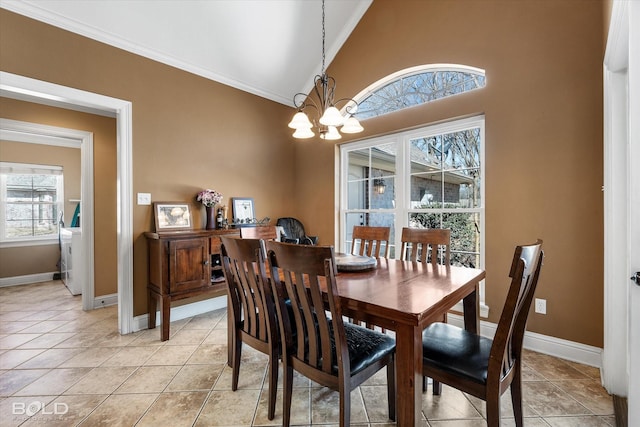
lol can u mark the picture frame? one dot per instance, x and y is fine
(243, 211)
(172, 216)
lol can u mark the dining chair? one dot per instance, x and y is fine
(420, 244)
(426, 245)
(370, 241)
(481, 366)
(325, 349)
(252, 309)
(294, 231)
(267, 232)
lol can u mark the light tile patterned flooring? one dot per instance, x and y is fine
(61, 366)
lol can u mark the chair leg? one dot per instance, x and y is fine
(345, 405)
(235, 367)
(516, 396)
(437, 388)
(391, 389)
(287, 390)
(273, 384)
(493, 410)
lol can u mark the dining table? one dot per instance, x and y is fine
(405, 297)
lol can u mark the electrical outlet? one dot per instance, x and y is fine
(541, 306)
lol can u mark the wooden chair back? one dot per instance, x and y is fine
(370, 241)
(265, 232)
(426, 245)
(252, 307)
(306, 270)
(509, 336)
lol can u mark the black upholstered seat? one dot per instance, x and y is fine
(458, 351)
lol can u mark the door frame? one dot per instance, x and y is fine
(41, 92)
(621, 355)
(36, 133)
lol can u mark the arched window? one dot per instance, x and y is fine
(415, 86)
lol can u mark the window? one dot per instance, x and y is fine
(415, 86)
(425, 178)
(32, 197)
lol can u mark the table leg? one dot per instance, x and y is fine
(408, 375)
(471, 306)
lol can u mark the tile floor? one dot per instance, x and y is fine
(61, 366)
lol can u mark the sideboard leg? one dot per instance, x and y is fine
(152, 306)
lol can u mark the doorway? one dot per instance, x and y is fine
(37, 91)
(33, 133)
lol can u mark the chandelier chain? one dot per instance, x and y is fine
(322, 70)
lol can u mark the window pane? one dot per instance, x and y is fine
(426, 190)
(32, 204)
(425, 220)
(462, 189)
(465, 237)
(415, 88)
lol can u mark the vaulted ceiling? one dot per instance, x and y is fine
(271, 48)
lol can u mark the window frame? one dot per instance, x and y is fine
(39, 169)
(402, 181)
(412, 71)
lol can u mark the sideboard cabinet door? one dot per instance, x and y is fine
(189, 265)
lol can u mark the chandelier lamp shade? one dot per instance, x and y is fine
(327, 118)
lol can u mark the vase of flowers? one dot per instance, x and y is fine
(209, 198)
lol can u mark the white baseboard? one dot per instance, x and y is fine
(182, 312)
(105, 300)
(27, 279)
(557, 347)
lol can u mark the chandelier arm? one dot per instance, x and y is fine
(350, 105)
(306, 102)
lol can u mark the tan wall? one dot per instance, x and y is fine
(22, 261)
(543, 107)
(104, 181)
(189, 133)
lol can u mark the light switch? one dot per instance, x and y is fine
(144, 198)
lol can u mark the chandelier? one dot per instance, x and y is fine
(330, 118)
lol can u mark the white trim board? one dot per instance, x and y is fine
(27, 279)
(105, 300)
(557, 347)
(182, 312)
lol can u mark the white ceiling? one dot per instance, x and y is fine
(271, 48)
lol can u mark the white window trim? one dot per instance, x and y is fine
(402, 209)
(28, 168)
(418, 69)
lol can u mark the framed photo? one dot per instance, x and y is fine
(243, 212)
(171, 216)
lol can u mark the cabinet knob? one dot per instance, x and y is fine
(205, 262)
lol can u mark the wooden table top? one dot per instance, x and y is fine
(406, 291)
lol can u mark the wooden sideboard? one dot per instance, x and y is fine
(183, 264)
